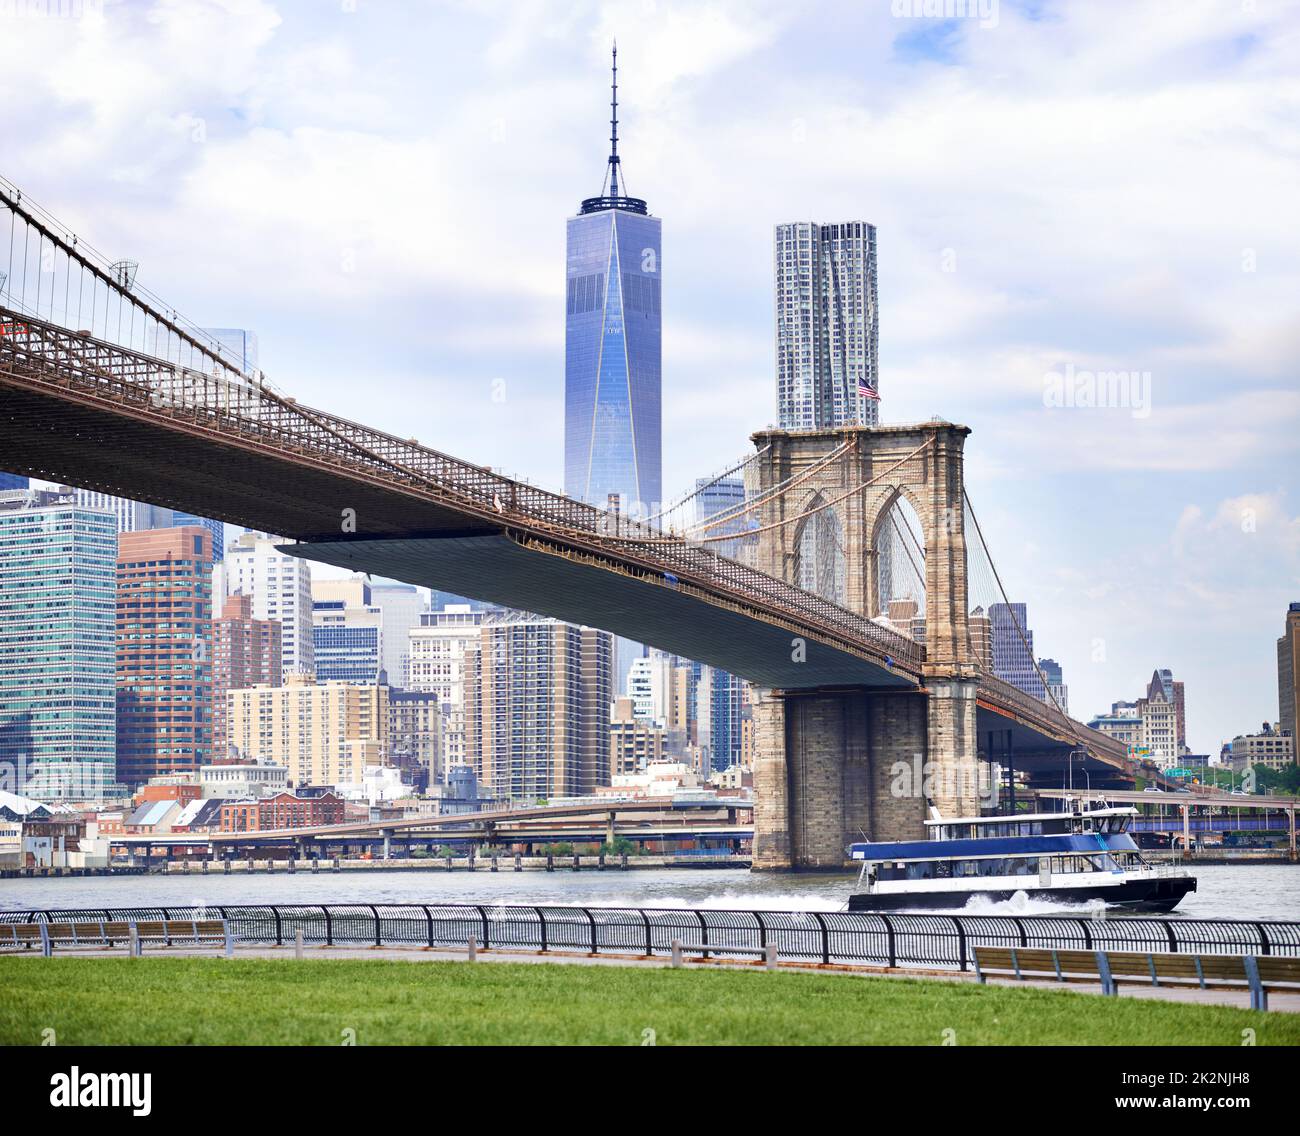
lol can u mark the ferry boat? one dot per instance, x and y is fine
(1079, 855)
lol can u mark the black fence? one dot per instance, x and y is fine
(816, 936)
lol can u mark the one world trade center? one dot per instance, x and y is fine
(612, 346)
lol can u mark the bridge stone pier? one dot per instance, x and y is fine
(836, 765)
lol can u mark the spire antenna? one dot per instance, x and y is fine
(611, 192)
(613, 125)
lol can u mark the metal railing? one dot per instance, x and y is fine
(851, 938)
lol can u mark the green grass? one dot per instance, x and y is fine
(183, 1001)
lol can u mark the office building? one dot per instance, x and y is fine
(216, 528)
(164, 652)
(1174, 693)
(1159, 715)
(1271, 747)
(827, 327)
(238, 346)
(539, 697)
(1123, 724)
(415, 736)
(347, 631)
(723, 498)
(634, 742)
(323, 733)
(245, 652)
(131, 516)
(1013, 648)
(1057, 692)
(1288, 672)
(612, 370)
(721, 706)
(439, 649)
(57, 636)
(401, 606)
(280, 587)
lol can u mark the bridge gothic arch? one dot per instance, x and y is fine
(826, 760)
(820, 562)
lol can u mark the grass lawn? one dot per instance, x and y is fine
(183, 1001)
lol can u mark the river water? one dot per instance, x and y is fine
(1257, 891)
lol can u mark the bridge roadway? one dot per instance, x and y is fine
(486, 820)
(83, 411)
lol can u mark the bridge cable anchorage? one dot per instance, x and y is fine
(1020, 631)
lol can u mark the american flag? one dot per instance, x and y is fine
(866, 390)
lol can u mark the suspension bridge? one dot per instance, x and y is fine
(837, 583)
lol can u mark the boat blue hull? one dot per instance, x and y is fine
(1134, 895)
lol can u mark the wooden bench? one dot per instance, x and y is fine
(109, 932)
(1260, 974)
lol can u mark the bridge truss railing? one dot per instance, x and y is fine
(1049, 718)
(226, 403)
(851, 938)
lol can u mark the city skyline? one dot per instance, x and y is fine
(1204, 550)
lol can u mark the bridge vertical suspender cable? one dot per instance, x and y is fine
(1020, 630)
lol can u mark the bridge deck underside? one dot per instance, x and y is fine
(499, 569)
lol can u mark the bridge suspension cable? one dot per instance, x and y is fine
(109, 303)
(1020, 629)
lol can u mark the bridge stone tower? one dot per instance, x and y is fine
(831, 766)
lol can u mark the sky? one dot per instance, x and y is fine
(379, 191)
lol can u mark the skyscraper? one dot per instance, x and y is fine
(215, 527)
(1175, 696)
(164, 652)
(57, 603)
(401, 605)
(1013, 653)
(347, 631)
(827, 326)
(440, 650)
(1057, 691)
(238, 345)
(539, 702)
(132, 516)
(612, 356)
(245, 652)
(281, 589)
(1288, 672)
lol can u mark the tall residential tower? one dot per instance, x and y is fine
(612, 340)
(827, 325)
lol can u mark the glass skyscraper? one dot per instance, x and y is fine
(1013, 652)
(612, 367)
(57, 632)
